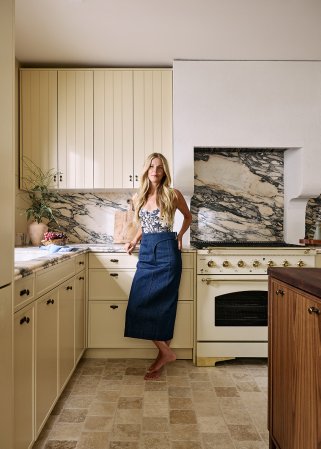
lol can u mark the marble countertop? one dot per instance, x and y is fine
(29, 259)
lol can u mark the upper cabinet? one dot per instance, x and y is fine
(38, 119)
(95, 126)
(75, 129)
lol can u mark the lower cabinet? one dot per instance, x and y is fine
(46, 355)
(66, 330)
(80, 313)
(107, 319)
(110, 279)
(24, 330)
(49, 339)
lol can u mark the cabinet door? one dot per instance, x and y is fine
(183, 330)
(152, 116)
(79, 315)
(75, 129)
(294, 368)
(66, 329)
(24, 378)
(46, 350)
(38, 120)
(186, 286)
(113, 129)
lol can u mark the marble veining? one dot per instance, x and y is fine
(238, 194)
(313, 214)
(89, 217)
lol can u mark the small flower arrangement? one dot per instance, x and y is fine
(56, 238)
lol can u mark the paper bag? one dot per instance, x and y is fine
(124, 227)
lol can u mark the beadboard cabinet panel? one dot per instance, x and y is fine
(38, 120)
(75, 129)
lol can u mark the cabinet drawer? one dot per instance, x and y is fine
(188, 260)
(110, 284)
(106, 325)
(23, 292)
(51, 277)
(80, 262)
(186, 286)
(113, 260)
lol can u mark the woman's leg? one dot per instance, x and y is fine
(165, 355)
(151, 368)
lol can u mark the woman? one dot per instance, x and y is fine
(152, 303)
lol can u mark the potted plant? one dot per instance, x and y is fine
(38, 211)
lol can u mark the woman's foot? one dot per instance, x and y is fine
(164, 357)
(153, 375)
(152, 366)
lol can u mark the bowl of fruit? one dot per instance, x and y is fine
(54, 238)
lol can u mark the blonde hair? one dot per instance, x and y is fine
(166, 196)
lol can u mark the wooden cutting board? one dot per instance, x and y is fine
(124, 226)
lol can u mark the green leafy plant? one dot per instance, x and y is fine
(36, 183)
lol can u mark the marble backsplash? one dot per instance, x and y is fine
(238, 195)
(89, 217)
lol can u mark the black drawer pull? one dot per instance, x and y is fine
(114, 275)
(81, 263)
(114, 260)
(69, 287)
(280, 292)
(314, 310)
(114, 307)
(25, 319)
(25, 291)
(81, 278)
(50, 301)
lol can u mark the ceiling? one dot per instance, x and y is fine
(150, 33)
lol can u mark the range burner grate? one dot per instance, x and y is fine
(200, 244)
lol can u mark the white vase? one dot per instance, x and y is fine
(36, 232)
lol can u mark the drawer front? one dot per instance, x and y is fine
(186, 286)
(80, 262)
(23, 292)
(107, 322)
(113, 260)
(188, 260)
(106, 326)
(110, 284)
(51, 277)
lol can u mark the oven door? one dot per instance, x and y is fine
(232, 308)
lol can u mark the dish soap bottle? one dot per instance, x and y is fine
(317, 233)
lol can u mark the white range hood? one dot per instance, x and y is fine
(252, 104)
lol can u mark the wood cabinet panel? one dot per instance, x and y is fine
(80, 313)
(294, 366)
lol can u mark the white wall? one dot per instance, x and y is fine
(252, 104)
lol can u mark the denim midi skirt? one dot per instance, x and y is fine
(152, 303)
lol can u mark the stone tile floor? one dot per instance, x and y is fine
(108, 405)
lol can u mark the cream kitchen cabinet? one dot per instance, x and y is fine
(49, 340)
(75, 129)
(132, 118)
(46, 356)
(56, 115)
(110, 278)
(38, 120)
(24, 331)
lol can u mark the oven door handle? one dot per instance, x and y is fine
(208, 280)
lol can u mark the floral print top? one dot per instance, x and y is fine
(151, 222)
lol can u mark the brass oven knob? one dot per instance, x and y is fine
(256, 263)
(270, 263)
(300, 263)
(285, 263)
(240, 263)
(211, 263)
(226, 263)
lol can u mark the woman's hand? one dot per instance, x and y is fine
(130, 246)
(180, 242)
